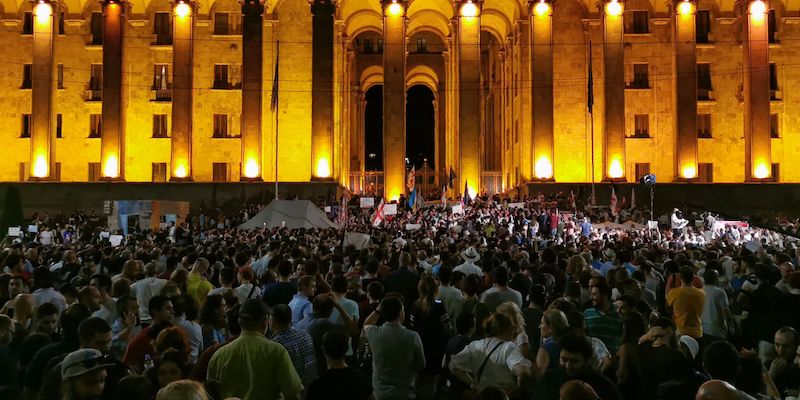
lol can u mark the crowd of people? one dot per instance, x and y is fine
(535, 300)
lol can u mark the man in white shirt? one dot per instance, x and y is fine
(716, 310)
(246, 289)
(44, 292)
(500, 293)
(450, 296)
(145, 289)
(470, 256)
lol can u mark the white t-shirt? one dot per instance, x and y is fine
(498, 370)
(716, 300)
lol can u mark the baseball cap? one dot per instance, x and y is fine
(83, 361)
(253, 309)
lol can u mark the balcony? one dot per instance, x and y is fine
(93, 95)
(162, 40)
(705, 94)
(162, 95)
(223, 85)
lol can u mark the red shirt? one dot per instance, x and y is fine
(138, 348)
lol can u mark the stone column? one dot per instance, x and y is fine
(541, 21)
(252, 89)
(469, 107)
(322, 89)
(685, 67)
(758, 156)
(394, 98)
(614, 92)
(43, 117)
(112, 140)
(182, 85)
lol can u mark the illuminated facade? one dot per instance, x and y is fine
(697, 91)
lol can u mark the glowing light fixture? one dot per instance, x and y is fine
(685, 7)
(761, 171)
(469, 10)
(181, 171)
(615, 170)
(251, 169)
(394, 195)
(543, 168)
(395, 9)
(182, 10)
(689, 171)
(111, 167)
(43, 12)
(40, 166)
(542, 9)
(323, 169)
(614, 8)
(758, 8)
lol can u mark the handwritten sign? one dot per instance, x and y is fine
(367, 202)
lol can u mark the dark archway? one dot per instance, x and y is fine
(373, 129)
(420, 126)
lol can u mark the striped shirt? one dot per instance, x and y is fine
(606, 327)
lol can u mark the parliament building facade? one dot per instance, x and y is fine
(524, 91)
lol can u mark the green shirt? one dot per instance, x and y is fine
(606, 327)
(198, 288)
(253, 367)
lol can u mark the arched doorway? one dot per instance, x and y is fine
(373, 129)
(420, 126)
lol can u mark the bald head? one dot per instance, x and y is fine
(720, 390)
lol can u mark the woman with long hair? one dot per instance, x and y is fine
(512, 311)
(429, 318)
(623, 364)
(213, 318)
(553, 325)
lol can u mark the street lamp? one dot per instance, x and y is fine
(685, 7)
(614, 8)
(541, 8)
(394, 8)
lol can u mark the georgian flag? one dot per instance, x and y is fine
(379, 215)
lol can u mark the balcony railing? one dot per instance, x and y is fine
(163, 40)
(93, 95)
(162, 95)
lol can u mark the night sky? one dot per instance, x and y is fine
(420, 141)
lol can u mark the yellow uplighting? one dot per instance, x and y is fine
(543, 168)
(43, 12)
(615, 170)
(472, 192)
(251, 168)
(323, 169)
(394, 195)
(685, 8)
(469, 10)
(542, 9)
(111, 167)
(41, 166)
(395, 9)
(761, 171)
(614, 8)
(758, 8)
(181, 171)
(182, 10)
(689, 171)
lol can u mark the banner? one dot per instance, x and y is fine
(458, 209)
(14, 231)
(367, 202)
(390, 209)
(413, 227)
(724, 224)
(516, 205)
(115, 240)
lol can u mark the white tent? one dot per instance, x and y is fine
(293, 214)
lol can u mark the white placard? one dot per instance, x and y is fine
(367, 202)
(115, 240)
(327, 209)
(389, 209)
(516, 205)
(104, 235)
(652, 224)
(458, 209)
(14, 231)
(413, 227)
(33, 229)
(358, 240)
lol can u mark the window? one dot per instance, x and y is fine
(160, 126)
(220, 172)
(59, 120)
(162, 28)
(26, 126)
(642, 169)
(705, 173)
(638, 23)
(96, 28)
(220, 125)
(227, 23)
(422, 45)
(772, 24)
(161, 83)
(380, 46)
(221, 76)
(60, 75)
(61, 17)
(704, 81)
(774, 127)
(776, 172)
(96, 77)
(640, 76)
(516, 131)
(27, 76)
(159, 172)
(94, 172)
(773, 81)
(95, 126)
(27, 23)
(704, 126)
(368, 46)
(641, 126)
(702, 26)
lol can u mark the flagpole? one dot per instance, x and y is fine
(590, 101)
(277, 104)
